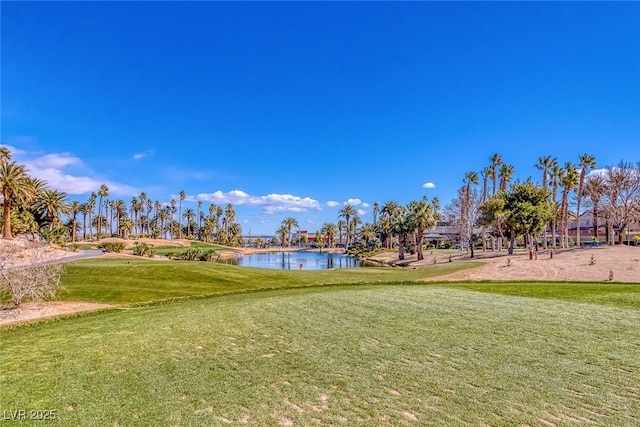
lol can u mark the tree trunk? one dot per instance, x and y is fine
(512, 244)
(6, 228)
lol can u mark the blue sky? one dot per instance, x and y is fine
(294, 108)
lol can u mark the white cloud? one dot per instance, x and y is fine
(428, 185)
(353, 202)
(365, 205)
(146, 153)
(271, 203)
(332, 204)
(51, 168)
(361, 211)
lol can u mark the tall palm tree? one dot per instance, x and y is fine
(149, 207)
(545, 164)
(341, 225)
(556, 177)
(91, 205)
(198, 214)
(75, 209)
(568, 181)
(51, 204)
(183, 195)
(347, 212)
(376, 209)
(157, 206)
(15, 185)
(282, 232)
(486, 175)
(120, 208)
(290, 222)
(389, 209)
(143, 205)
(594, 188)
(506, 173)
(496, 160)
(586, 162)
(172, 210)
(189, 215)
(102, 192)
(352, 229)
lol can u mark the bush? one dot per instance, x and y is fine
(143, 249)
(116, 247)
(32, 275)
(191, 254)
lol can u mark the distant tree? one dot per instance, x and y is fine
(347, 212)
(401, 226)
(594, 188)
(421, 217)
(290, 223)
(52, 204)
(183, 195)
(496, 160)
(527, 210)
(586, 162)
(102, 193)
(282, 233)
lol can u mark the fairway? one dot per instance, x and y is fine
(372, 355)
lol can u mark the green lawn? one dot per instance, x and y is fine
(376, 353)
(125, 280)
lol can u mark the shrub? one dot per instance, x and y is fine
(143, 249)
(592, 261)
(32, 275)
(191, 254)
(116, 247)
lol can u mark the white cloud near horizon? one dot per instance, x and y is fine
(353, 202)
(428, 185)
(361, 211)
(271, 203)
(332, 203)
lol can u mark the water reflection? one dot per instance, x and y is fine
(296, 261)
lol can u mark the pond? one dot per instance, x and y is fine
(296, 261)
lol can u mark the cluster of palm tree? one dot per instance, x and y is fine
(401, 224)
(612, 193)
(28, 204)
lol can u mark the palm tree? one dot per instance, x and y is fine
(163, 215)
(91, 204)
(282, 232)
(149, 207)
(401, 226)
(376, 209)
(506, 173)
(182, 197)
(15, 186)
(594, 188)
(352, 229)
(341, 225)
(120, 208)
(51, 204)
(486, 174)
(389, 209)
(5, 155)
(143, 205)
(102, 192)
(290, 222)
(556, 176)
(157, 206)
(198, 215)
(545, 164)
(568, 181)
(586, 162)
(172, 211)
(496, 160)
(422, 218)
(347, 212)
(329, 230)
(189, 215)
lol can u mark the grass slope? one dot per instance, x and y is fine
(126, 280)
(372, 355)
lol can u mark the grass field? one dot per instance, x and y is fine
(536, 354)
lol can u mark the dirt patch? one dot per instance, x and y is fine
(38, 310)
(580, 265)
